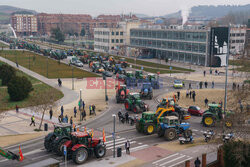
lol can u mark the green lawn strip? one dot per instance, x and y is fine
(2, 45)
(38, 64)
(6, 104)
(150, 64)
(153, 70)
(242, 65)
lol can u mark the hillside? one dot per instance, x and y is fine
(211, 11)
(6, 11)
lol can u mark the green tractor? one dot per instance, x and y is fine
(134, 103)
(214, 114)
(138, 74)
(54, 140)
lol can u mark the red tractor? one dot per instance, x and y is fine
(82, 145)
(121, 93)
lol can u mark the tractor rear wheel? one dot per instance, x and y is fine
(100, 151)
(126, 104)
(59, 147)
(208, 121)
(149, 129)
(138, 126)
(80, 155)
(160, 132)
(228, 123)
(47, 145)
(170, 134)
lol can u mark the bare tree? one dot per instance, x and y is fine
(44, 103)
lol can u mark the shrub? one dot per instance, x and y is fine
(19, 88)
(6, 73)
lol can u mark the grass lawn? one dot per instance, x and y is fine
(154, 70)
(38, 64)
(39, 88)
(2, 45)
(243, 65)
(154, 65)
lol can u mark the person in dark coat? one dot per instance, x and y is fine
(194, 96)
(75, 111)
(83, 115)
(178, 95)
(190, 94)
(126, 117)
(201, 83)
(206, 102)
(50, 113)
(197, 162)
(206, 84)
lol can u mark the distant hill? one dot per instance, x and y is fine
(139, 15)
(211, 11)
(6, 11)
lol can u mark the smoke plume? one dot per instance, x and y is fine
(184, 14)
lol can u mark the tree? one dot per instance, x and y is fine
(57, 34)
(6, 73)
(82, 32)
(43, 103)
(19, 88)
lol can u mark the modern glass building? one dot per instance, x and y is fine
(182, 45)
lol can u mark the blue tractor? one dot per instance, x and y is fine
(118, 69)
(146, 91)
(170, 127)
(154, 80)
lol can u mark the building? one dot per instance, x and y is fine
(24, 24)
(237, 39)
(182, 44)
(114, 39)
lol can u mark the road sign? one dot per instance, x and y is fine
(170, 67)
(113, 135)
(141, 67)
(64, 150)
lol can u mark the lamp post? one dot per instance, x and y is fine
(227, 56)
(106, 95)
(47, 66)
(114, 116)
(170, 66)
(72, 78)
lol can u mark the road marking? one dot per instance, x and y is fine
(165, 158)
(33, 152)
(195, 130)
(172, 160)
(115, 140)
(137, 148)
(120, 145)
(139, 143)
(180, 162)
(110, 144)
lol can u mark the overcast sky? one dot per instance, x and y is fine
(96, 7)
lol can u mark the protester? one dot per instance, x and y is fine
(71, 121)
(75, 111)
(204, 72)
(83, 105)
(201, 83)
(190, 86)
(190, 94)
(83, 115)
(90, 109)
(187, 93)
(33, 120)
(66, 119)
(213, 84)
(127, 147)
(206, 84)
(93, 109)
(62, 110)
(17, 109)
(194, 96)
(206, 102)
(126, 117)
(178, 95)
(197, 162)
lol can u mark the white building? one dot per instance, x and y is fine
(237, 39)
(114, 39)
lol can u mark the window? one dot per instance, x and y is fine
(117, 33)
(113, 41)
(121, 40)
(113, 33)
(117, 40)
(121, 33)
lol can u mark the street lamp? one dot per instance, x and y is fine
(80, 94)
(114, 116)
(72, 78)
(106, 95)
(170, 66)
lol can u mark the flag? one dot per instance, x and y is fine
(174, 98)
(77, 129)
(85, 130)
(103, 136)
(92, 133)
(20, 154)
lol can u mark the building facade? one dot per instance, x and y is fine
(237, 39)
(182, 45)
(24, 24)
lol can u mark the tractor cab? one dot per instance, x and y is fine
(139, 74)
(171, 120)
(165, 102)
(96, 67)
(62, 129)
(130, 74)
(151, 77)
(149, 115)
(146, 91)
(121, 93)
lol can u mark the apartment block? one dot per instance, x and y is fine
(24, 24)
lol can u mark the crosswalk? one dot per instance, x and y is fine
(171, 160)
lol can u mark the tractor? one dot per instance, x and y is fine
(146, 91)
(82, 145)
(54, 139)
(96, 67)
(106, 65)
(170, 127)
(214, 114)
(123, 62)
(150, 120)
(154, 80)
(138, 74)
(121, 93)
(134, 103)
(118, 69)
(130, 79)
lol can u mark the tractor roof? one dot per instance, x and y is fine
(151, 74)
(134, 93)
(62, 125)
(149, 112)
(79, 134)
(214, 105)
(130, 72)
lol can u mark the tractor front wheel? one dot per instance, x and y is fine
(59, 148)
(149, 129)
(208, 121)
(126, 104)
(170, 134)
(100, 151)
(80, 155)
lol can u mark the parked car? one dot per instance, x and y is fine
(78, 63)
(195, 110)
(178, 84)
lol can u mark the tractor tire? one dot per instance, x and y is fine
(137, 126)
(187, 133)
(47, 145)
(160, 132)
(80, 155)
(126, 104)
(170, 134)
(149, 129)
(100, 151)
(208, 121)
(59, 147)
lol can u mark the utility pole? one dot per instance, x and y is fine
(72, 78)
(114, 116)
(47, 66)
(228, 51)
